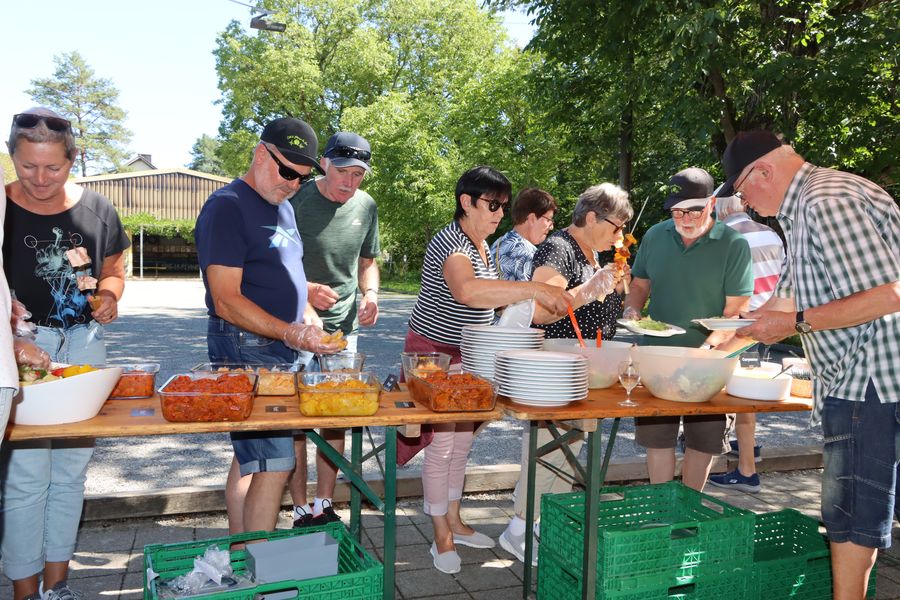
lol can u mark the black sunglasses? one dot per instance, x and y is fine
(285, 171)
(349, 152)
(30, 121)
(493, 204)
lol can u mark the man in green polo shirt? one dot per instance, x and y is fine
(338, 224)
(690, 267)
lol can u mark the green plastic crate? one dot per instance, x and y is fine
(359, 577)
(791, 558)
(648, 536)
(555, 582)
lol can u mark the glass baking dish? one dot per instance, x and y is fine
(274, 379)
(138, 380)
(338, 394)
(452, 392)
(204, 396)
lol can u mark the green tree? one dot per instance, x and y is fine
(204, 156)
(665, 85)
(402, 73)
(90, 102)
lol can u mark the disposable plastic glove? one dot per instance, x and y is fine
(21, 326)
(599, 286)
(631, 314)
(29, 354)
(299, 336)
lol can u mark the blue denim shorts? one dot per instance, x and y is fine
(859, 483)
(255, 451)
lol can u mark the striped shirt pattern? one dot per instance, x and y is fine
(513, 255)
(437, 315)
(766, 252)
(843, 237)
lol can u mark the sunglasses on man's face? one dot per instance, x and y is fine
(30, 121)
(349, 152)
(285, 171)
(493, 204)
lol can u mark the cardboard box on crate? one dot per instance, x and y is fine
(792, 559)
(359, 575)
(651, 539)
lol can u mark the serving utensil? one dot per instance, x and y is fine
(575, 325)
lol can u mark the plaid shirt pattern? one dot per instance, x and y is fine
(843, 237)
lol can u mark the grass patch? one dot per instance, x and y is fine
(402, 284)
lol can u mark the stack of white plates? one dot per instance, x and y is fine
(541, 378)
(481, 342)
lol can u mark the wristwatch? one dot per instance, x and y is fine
(802, 326)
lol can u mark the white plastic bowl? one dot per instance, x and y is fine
(757, 384)
(560, 344)
(67, 400)
(603, 362)
(683, 374)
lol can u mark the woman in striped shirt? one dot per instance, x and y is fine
(460, 287)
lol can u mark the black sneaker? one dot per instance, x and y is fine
(305, 520)
(328, 515)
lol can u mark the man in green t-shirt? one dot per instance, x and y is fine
(690, 267)
(338, 224)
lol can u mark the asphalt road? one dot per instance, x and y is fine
(164, 321)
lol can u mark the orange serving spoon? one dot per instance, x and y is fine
(575, 325)
(599, 337)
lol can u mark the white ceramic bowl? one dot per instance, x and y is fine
(603, 362)
(757, 384)
(683, 374)
(67, 400)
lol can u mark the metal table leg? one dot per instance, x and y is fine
(529, 506)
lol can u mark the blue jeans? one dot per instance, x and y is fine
(43, 480)
(255, 451)
(860, 481)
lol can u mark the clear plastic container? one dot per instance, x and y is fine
(456, 392)
(338, 394)
(342, 362)
(275, 379)
(419, 363)
(138, 380)
(203, 396)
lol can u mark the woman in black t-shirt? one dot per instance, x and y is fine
(64, 256)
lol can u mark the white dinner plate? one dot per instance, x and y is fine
(721, 324)
(633, 327)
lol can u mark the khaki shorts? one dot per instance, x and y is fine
(703, 433)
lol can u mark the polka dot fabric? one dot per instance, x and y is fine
(561, 253)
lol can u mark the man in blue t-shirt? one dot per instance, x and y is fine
(256, 295)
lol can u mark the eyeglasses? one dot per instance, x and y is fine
(549, 220)
(735, 187)
(617, 228)
(349, 152)
(30, 121)
(690, 213)
(493, 204)
(285, 171)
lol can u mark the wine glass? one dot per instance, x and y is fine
(629, 377)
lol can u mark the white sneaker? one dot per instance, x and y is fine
(515, 545)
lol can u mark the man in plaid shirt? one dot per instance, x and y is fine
(840, 289)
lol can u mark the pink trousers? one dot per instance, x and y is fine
(444, 469)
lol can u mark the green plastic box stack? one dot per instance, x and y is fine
(663, 541)
(359, 576)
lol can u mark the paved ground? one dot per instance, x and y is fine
(107, 564)
(164, 321)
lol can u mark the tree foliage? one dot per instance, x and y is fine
(692, 73)
(204, 157)
(166, 228)
(90, 103)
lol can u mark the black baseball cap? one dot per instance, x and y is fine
(348, 149)
(694, 189)
(746, 147)
(295, 139)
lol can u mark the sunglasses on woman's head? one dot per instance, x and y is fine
(285, 171)
(30, 121)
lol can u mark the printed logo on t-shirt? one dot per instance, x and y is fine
(66, 268)
(282, 237)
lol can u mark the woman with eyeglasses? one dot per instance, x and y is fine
(64, 256)
(460, 287)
